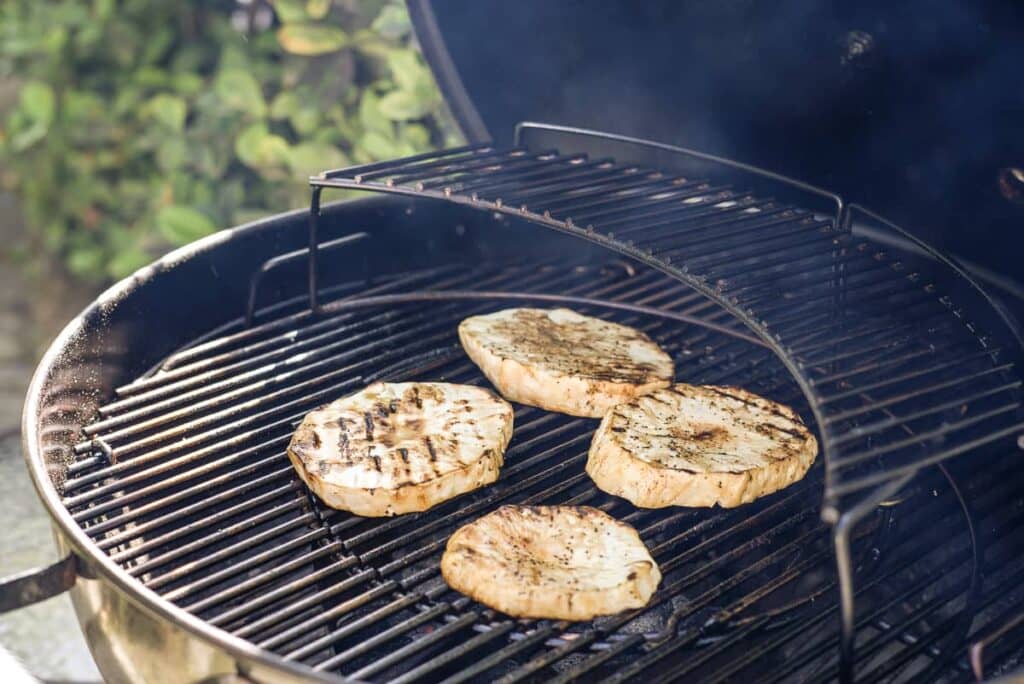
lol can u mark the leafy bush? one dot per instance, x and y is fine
(141, 124)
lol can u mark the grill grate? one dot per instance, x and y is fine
(799, 279)
(218, 524)
(184, 483)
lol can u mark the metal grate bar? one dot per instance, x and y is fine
(645, 185)
(916, 552)
(367, 621)
(326, 617)
(551, 169)
(493, 632)
(670, 196)
(100, 508)
(682, 232)
(160, 386)
(433, 154)
(294, 607)
(289, 488)
(384, 636)
(683, 196)
(833, 418)
(511, 651)
(929, 435)
(431, 639)
(496, 160)
(279, 570)
(870, 480)
(377, 170)
(233, 531)
(296, 322)
(577, 183)
(866, 430)
(709, 200)
(175, 516)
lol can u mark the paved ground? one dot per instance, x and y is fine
(44, 637)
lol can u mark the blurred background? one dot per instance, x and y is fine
(129, 127)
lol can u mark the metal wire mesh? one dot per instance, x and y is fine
(183, 480)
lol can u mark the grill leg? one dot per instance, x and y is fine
(314, 250)
(844, 570)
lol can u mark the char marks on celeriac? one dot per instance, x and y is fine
(556, 562)
(397, 448)
(692, 445)
(563, 361)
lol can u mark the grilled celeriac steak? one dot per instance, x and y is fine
(402, 447)
(692, 445)
(556, 562)
(562, 361)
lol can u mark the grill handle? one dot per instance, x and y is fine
(38, 584)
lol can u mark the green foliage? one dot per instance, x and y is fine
(140, 125)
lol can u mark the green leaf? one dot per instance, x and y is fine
(284, 105)
(306, 159)
(182, 225)
(168, 110)
(370, 115)
(239, 91)
(79, 107)
(172, 153)
(409, 71)
(379, 146)
(260, 149)
(416, 135)
(102, 9)
(87, 261)
(38, 102)
(372, 44)
(156, 45)
(24, 139)
(126, 261)
(126, 100)
(187, 83)
(151, 77)
(311, 39)
(318, 9)
(289, 11)
(392, 22)
(305, 120)
(403, 105)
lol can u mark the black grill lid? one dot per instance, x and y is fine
(912, 109)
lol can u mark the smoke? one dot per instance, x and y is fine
(911, 108)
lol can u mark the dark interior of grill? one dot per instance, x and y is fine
(180, 475)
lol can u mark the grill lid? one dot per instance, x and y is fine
(907, 109)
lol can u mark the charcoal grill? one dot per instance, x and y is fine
(156, 425)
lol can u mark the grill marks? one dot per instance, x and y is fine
(708, 429)
(368, 418)
(395, 448)
(562, 361)
(699, 446)
(557, 562)
(573, 345)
